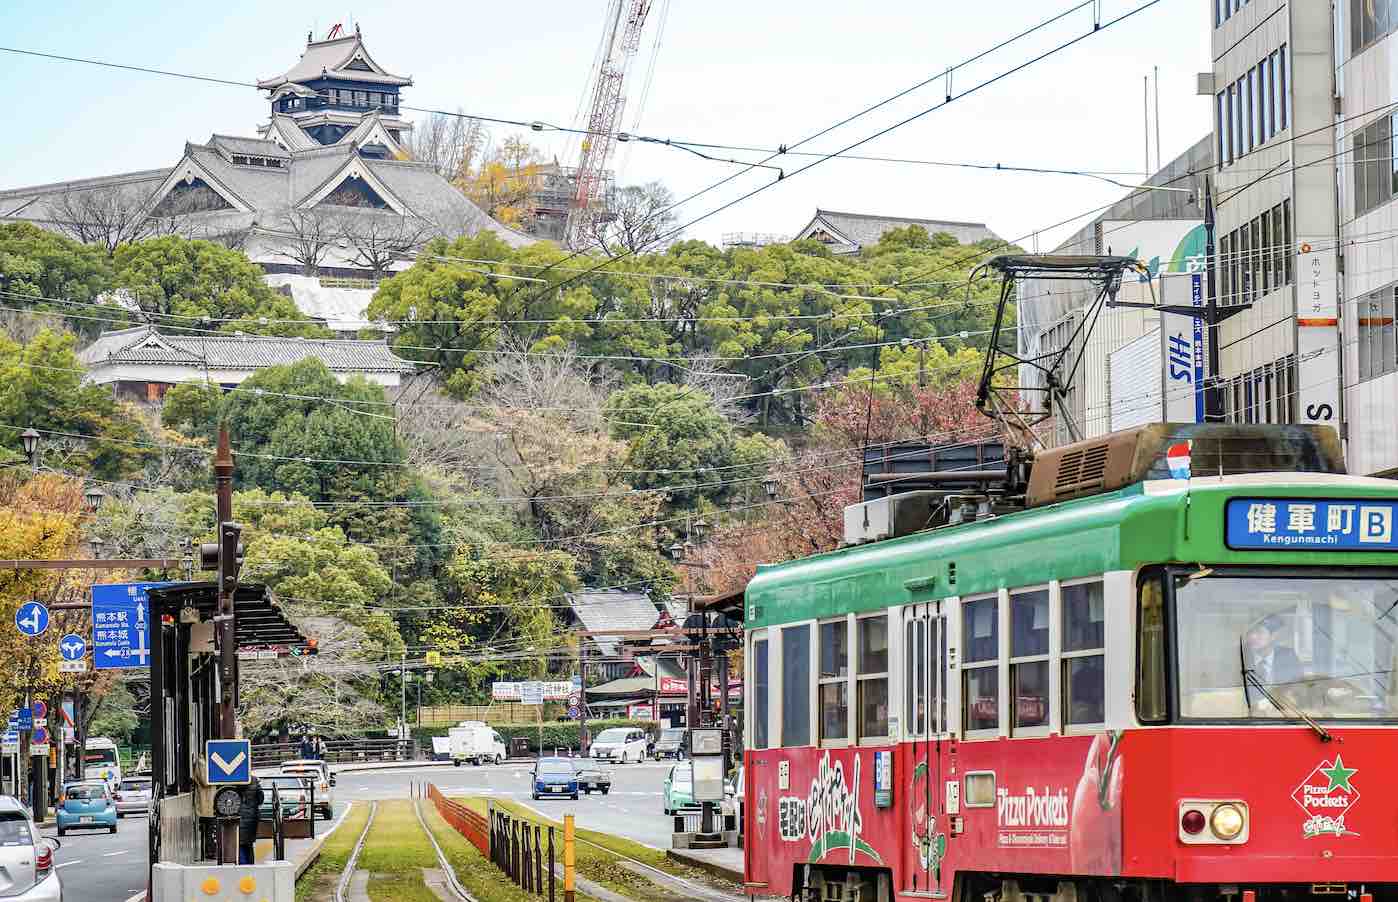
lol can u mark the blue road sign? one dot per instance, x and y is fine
(32, 618)
(121, 625)
(25, 719)
(230, 760)
(40, 737)
(72, 647)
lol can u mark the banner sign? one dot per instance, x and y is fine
(1292, 524)
(553, 690)
(1317, 334)
(1182, 339)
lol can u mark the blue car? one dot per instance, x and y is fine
(555, 777)
(86, 806)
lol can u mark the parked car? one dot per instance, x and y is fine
(475, 741)
(554, 777)
(133, 796)
(678, 794)
(673, 743)
(86, 806)
(619, 744)
(593, 777)
(293, 792)
(27, 872)
(319, 773)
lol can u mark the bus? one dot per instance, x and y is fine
(1142, 680)
(101, 761)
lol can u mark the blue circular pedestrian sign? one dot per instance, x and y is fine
(72, 647)
(32, 618)
(573, 712)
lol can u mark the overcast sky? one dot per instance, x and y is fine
(755, 73)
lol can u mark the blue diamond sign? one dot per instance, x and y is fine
(121, 625)
(229, 761)
(32, 618)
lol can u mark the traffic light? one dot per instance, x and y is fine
(227, 548)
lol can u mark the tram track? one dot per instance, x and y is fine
(342, 887)
(448, 871)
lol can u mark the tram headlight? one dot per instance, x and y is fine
(1227, 821)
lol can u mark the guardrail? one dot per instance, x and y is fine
(340, 751)
(517, 848)
(468, 823)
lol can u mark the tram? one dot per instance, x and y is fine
(1166, 671)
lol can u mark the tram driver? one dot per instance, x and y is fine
(1272, 663)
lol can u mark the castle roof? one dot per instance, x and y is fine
(341, 58)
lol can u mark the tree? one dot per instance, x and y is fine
(505, 183)
(450, 144)
(108, 215)
(638, 218)
(309, 235)
(186, 282)
(377, 240)
(41, 270)
(89, 431)
(676, 439)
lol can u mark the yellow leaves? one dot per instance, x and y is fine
(504, 185)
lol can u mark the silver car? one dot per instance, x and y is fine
(133, 796)
(27, 872)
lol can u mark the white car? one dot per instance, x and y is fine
(133, 796)
(27, 872)
(621, 744)
(322, 780)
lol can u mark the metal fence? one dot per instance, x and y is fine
(341, 751)
(468, 823)
(519, 848)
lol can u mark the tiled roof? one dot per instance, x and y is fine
(613, 611)
(331, 57)
(292, 135)
(250, 146)
(864, 230)
(144, 344)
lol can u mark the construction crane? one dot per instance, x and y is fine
(625, 20)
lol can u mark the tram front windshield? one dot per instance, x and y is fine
(1323, 647)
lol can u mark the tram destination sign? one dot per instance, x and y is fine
(1310, 524)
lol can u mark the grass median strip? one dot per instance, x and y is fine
(318, 882)
(600, 855)
(481, 878)
(394, 855)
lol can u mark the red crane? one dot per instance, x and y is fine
(626, 19)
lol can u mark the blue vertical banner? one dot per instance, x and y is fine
(1196, 298)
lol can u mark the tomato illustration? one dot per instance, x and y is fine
(1095, 843)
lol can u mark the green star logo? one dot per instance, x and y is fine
(1339, 775)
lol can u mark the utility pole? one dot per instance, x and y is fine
(1213, 395)
(584, 742)
(224, 620)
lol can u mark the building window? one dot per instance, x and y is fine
(1220, 128)
(1029, 662)
(1369, 21)
(796, 685)
(1262, 395)
(980, 640)
(834, 681)
(1373, 168)
(1084, 645)
(872, 677)
(1225, 268)
(1376, 333)
(1284, 97)
(759, 693)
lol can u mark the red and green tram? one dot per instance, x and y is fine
(1136, 687)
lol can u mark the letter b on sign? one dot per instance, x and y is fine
(1375, 525)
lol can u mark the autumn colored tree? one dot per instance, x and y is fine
(504, 183)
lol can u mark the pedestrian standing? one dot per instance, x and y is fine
(320, 748)
(308, 746)
(249, 816)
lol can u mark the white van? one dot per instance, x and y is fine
(101, 761)
(472, 740)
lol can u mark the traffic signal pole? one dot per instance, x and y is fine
(224, 622)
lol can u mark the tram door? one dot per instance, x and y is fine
(925, 708)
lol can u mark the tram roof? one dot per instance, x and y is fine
(1149, 522)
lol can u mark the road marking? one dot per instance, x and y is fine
(64, 864)
(110, 854)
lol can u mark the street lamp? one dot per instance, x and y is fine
(96, 543)
(769, 485)
(94, 497)
(698, 529)
(676, 551)
(30, 438)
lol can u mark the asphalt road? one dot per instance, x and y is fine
(101, 866)
(632, 809)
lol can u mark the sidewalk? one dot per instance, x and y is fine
(725, 863)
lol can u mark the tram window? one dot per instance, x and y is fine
(980, 633)
(1029, 666)
(872, 677)
(834, 649)
(834, 681)
(796, 685)
(1084, 680)
(980, 640)
(915, 677)
(759, 694)
(1150, 653)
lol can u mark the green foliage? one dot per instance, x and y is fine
(202, 280)
(40, 270)
(41, 386)
(116, 715)
(678, 434)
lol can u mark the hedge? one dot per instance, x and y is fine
(556, 734)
